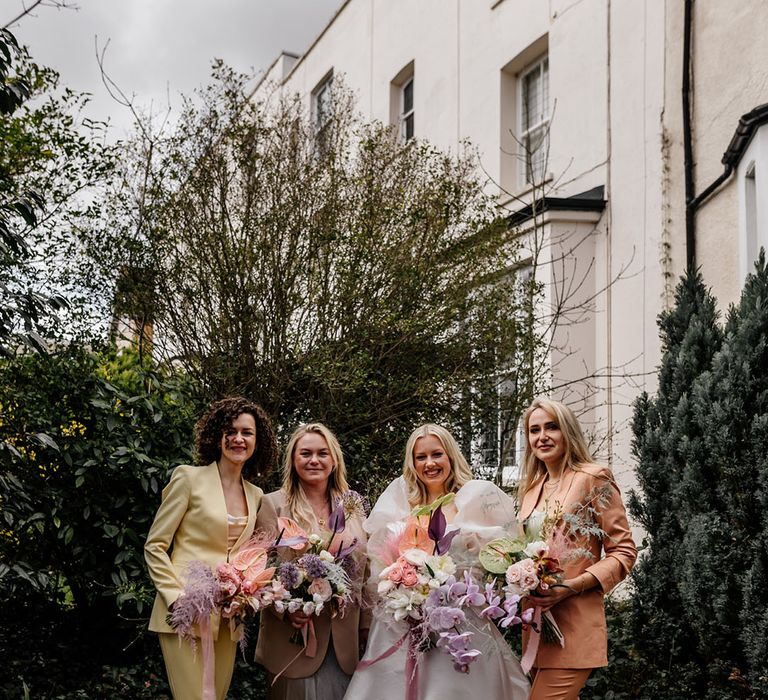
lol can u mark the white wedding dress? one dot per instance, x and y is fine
(484, 513)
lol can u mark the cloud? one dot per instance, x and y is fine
(165, 47)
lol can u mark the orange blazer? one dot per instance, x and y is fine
(191, 525)
(274, 649)
(581, 618)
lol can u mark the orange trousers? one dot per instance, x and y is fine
(558, 683)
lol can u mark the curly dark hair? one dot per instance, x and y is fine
(220, 416)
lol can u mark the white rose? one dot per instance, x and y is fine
(315, 539)
(325, 555)
(385, 586)
(309, 608)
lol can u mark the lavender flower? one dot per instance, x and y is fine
(313, 565)
(289, 575)
(350, 566)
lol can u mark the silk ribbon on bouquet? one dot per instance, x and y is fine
(309, 637)
(411, 663)
(535, 637)
(209, 666)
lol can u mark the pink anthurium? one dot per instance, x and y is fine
(291, 535)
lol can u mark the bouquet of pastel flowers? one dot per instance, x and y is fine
(516, 569)
(418, 585)
(234, 589)
(319, 575)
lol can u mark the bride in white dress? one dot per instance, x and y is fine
(433, 467)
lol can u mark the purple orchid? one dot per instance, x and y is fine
(493, 611)
(511, 605)
(472, 595)
(444, 618)
(457, 646)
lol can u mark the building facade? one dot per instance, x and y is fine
(577, 110)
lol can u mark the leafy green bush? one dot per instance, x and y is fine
(90, 438)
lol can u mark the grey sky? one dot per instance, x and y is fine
(159, 47)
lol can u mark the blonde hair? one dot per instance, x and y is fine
(460, 470)
(298, 505)
(576, 452)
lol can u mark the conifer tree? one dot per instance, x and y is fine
(664, 427)
(725, 553)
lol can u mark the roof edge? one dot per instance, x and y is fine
(591, 200)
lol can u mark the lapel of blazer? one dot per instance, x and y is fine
(213, 495)
(563, 495)
(530, 498)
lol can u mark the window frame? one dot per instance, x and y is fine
(407, 114)
(541, 125)
(322, 93)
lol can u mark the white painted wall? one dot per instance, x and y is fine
(615, 83)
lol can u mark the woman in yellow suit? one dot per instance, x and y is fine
(206, 514)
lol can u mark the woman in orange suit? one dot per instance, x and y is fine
(562, 487)
(205, 515)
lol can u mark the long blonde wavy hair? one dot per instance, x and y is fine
(576, 454)
(295, 497)
(460, 470)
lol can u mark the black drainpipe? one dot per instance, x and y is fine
(690, 210)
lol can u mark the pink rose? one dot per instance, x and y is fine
(229, 579)
(514, 573)
(529, 581)
(395, 572)
(410, 577)
(321, 588)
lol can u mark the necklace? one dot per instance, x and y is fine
(321, 520)
(549, 485)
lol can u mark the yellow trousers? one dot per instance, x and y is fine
(558, 683)
(185, 666)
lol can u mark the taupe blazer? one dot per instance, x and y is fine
(191, 525)
(274, 649)
(581, 618)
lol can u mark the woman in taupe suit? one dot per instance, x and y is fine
(205, 515)
(314, 481)
(562, 484)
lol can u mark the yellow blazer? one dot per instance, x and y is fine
(274, 649)
(581, 618)
(191, 525)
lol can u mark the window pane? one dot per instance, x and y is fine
(408, 127)
(408, 97)
(536, 154)
(323, 106)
